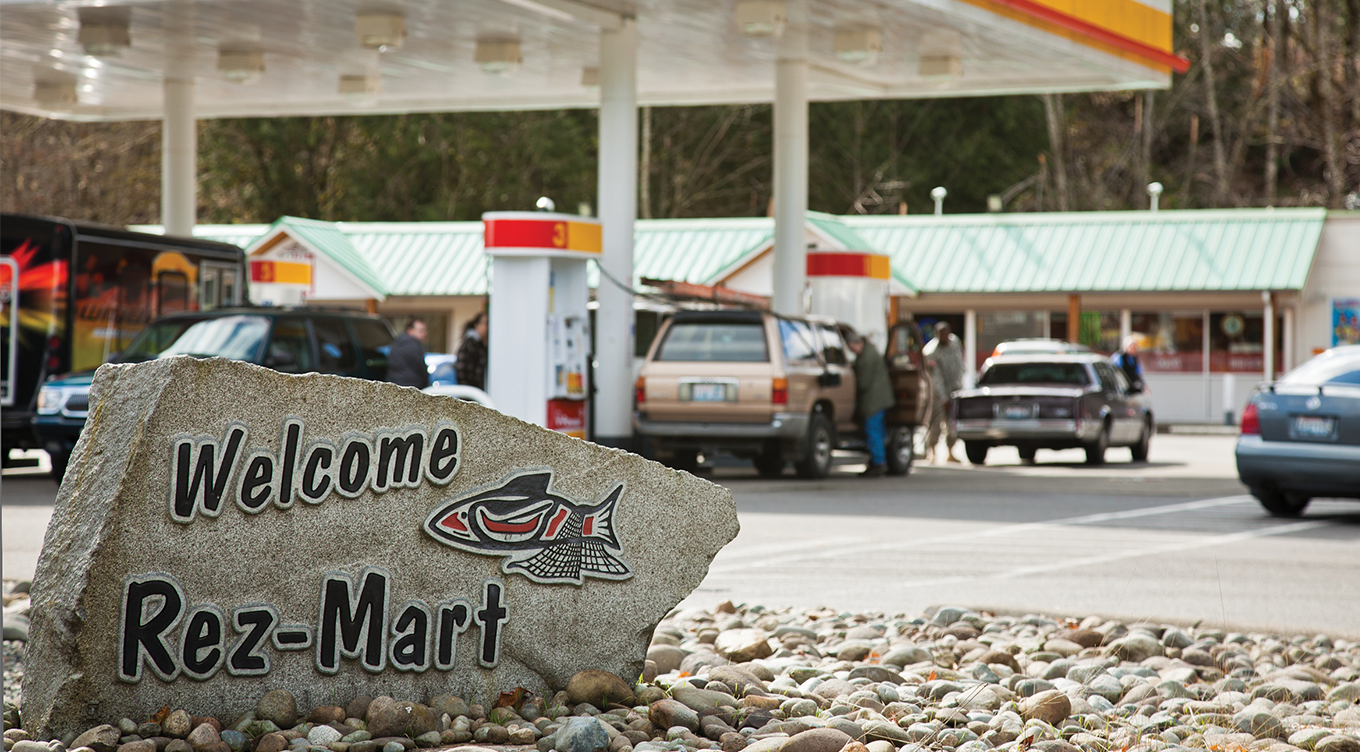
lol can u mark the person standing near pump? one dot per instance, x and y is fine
(406, 359)
(1127, 361)
(944, 358)
(873, 397)
(471, 364)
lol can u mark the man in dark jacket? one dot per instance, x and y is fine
(471, 364)
(406, 359)
(873, 397)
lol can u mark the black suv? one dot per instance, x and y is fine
(291, 340)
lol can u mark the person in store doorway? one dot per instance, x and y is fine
(406, 359)
(873, 397)
(471, 364)
(944, 358)
(1127, 361)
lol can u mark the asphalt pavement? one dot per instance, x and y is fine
(1174, 540)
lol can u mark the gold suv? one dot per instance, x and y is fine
(770, 388)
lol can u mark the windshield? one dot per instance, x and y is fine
(235, 337)
(154, 339)
(1067, 374)
(714, 341)
(1328, 368)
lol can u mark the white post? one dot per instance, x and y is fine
(791, 165)
(1125, 325)
(969, 348)
(179, 155)
(617, 198)
(1287, 339)
(1229, 399)
(1268, 336)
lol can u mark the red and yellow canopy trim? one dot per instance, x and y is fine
(1124, 28)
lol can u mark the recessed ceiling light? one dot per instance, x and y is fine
(239, 65)
(104, 31)
(498, 55)
(361, 89)
(55, 91)
(590, 78)
(860, 45)
(761, 18)
(380, 31)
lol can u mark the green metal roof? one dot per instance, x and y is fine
(1211, 250)
(424, 258)
(1223, 250)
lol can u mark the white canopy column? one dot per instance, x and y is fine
(179, 130)
(791, 164)
(617, 199)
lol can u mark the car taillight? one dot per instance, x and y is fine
(1251, 420)
(640, 390)
(779, 391)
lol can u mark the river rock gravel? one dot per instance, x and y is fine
(950, 680)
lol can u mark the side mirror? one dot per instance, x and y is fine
(829, 379)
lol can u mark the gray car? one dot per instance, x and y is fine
(1301, 435)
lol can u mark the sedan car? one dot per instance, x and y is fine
(1301, 435)
(1030, 345)
(1053, 401)
(288, 340)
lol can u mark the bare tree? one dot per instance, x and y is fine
(1053, 113)
(1206, 45)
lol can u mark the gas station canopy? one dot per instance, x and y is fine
(107, 59)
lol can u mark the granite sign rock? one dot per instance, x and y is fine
(225, 530)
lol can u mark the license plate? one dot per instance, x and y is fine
(1017, 412)
(1313, 427)
(709, 392)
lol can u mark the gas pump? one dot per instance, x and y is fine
(539, 330)
(851, 286)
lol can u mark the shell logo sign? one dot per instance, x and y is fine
(280, 272)
(541, 234)
(840, 264)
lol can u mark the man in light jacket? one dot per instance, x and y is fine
(944, 358)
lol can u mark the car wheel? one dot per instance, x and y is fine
(1095, 452)
(1027, 454)
(1281, 503)
(976, 451)
(59, 462)
(821, 439)
(1140, 450)
(901, 450)
(769, 463)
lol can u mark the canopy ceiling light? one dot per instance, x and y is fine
(590, 78)
(380, 31)
(104, 31)
(761, 18)
(498, 55)
(239, 65)
(941, 57)
(858, 45)
(55, 91)
(361, 88)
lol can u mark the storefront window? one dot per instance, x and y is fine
(1099, 331)
(1171, 341)
(995, 327)
(1235, 341)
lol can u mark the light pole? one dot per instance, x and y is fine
(1154, 195)
(938, 193)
